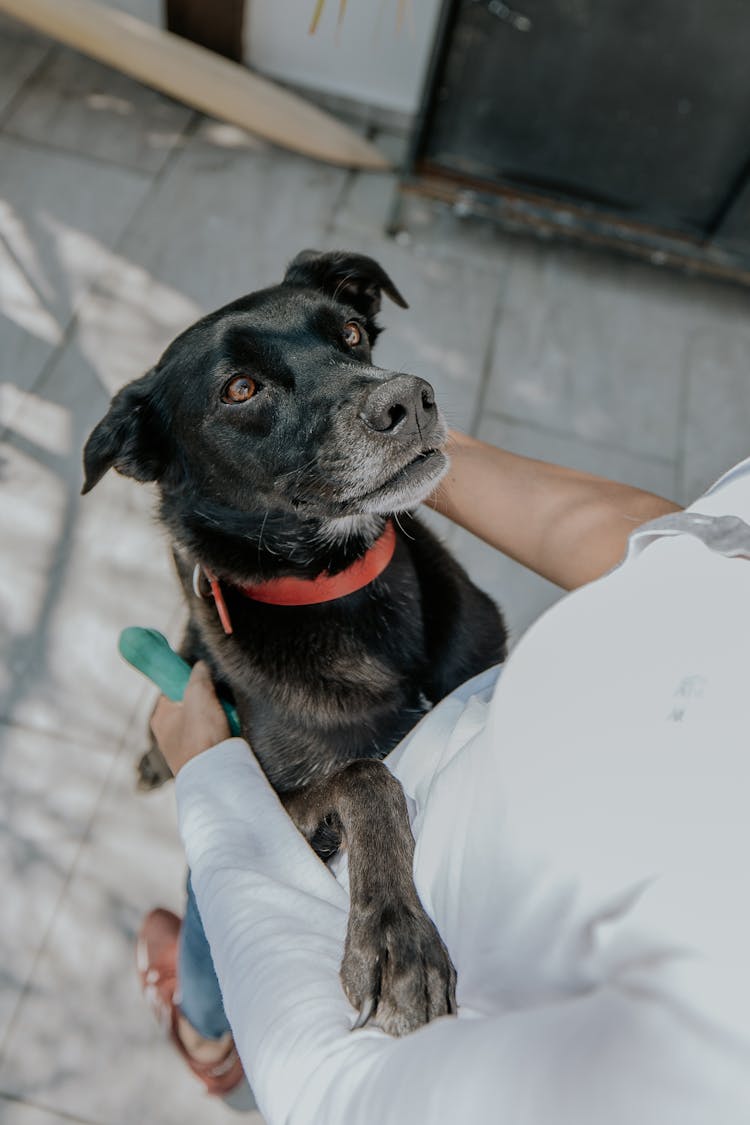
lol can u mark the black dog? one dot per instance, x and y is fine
(281, 455)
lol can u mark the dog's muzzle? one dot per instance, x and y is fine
(403, 408)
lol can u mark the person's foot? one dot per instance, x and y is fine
(214, 1061)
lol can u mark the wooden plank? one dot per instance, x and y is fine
(198, 77)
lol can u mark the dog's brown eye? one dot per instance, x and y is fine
(239, 389)
(352, 334)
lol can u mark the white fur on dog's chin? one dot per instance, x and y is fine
(339, 529)
(366, 523)
(401, 498)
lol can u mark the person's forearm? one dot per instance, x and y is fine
(568, 526)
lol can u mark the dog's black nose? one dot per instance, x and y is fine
(403, 406)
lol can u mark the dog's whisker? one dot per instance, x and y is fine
(344, 280)
(437, 503)
(260, 537)
(209, 519)
(402, 528)
(299, 469)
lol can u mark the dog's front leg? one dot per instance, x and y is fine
(396, 970)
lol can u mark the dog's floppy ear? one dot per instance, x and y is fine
(353, 279)
(130, 438)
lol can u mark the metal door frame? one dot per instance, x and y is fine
(525, 211)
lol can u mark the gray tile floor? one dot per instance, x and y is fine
(123, 216)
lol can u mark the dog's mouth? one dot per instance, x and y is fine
(407, 487)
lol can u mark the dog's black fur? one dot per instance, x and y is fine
(298, 479)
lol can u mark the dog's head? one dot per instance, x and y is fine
(272, 405)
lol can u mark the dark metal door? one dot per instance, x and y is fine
(618, 119)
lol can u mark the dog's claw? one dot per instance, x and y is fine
(396, 969)
(151, 770)
(368, 1007)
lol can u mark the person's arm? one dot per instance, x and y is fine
(276, 921)
(568, 526)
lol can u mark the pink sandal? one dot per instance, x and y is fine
(156, 959)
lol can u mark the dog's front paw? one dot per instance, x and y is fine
(396, 970)
(152, 770)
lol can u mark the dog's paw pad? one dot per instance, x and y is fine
(397, 972)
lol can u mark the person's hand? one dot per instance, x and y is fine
(184, 730)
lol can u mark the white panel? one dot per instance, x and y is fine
(377, 53)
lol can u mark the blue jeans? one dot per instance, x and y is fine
(198, 993)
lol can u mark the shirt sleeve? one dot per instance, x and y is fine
(276, 917)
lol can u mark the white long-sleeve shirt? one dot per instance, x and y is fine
(582, 831)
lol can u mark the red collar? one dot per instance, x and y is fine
(312, 591)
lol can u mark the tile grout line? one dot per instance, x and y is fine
(84, 838)
(83, 741)
(62, 150)
(45, 373)
(352, 176)
(109, 772)
(330, 226)
(48, 365)
(53, 359)
(571, 435)
(52, 50)
(683, 410)
(61, 1113)
(489, 354)
(186, 134)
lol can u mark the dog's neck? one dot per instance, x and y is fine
(325, 587)
(326, 567)
(249, 548)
